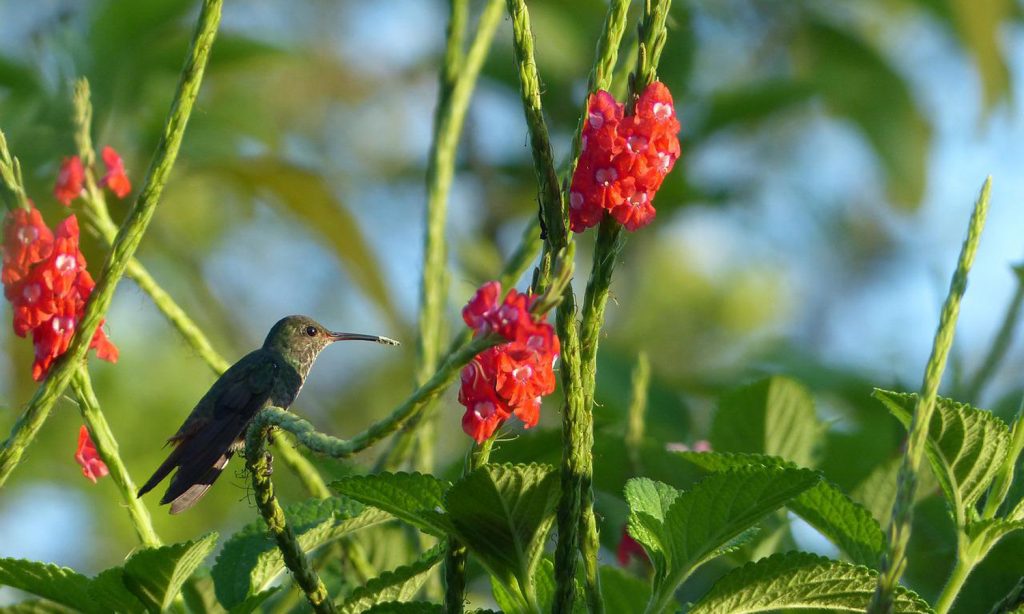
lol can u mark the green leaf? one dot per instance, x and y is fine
(58, 584)
(250, 559)
(622, 591)
(802, 581)
(774, 416)
(110, 589)
(312, 199)
(253, 602)
(155, 575)
(984, 534)
(966, 447)
(408, 607)
(396, 585)
(403, 495)
(544, 581)
(859, 84)
(502, 513)
(705, 519)
(979, 25)
(825, 507)
(750, 103)
(36, 606)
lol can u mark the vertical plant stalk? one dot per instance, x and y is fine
(125, 244)
(961, 570)
(256, 456)
(1002, 340)
(10, 173)
(458, 80)
(609, 244)
(894, 560)
(638, 411)
(455, 557)
(107, 448)
(1004, 477)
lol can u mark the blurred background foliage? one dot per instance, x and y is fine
(831, 151)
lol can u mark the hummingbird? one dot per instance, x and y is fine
(270, 376)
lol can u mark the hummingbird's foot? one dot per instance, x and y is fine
(269, 471)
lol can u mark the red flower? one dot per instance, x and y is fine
(69, 180)
(507, 379)
(630, 548)
(86, 456)
(27, 240)
(47, 283)
(116, 178)
(624, 159)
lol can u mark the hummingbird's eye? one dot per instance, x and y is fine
(311, 331)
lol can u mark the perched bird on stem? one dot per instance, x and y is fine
(270, 376)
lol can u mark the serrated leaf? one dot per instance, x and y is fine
(250, 559)
(502, 513)
(984, 534)
(708, 516)
(825, 506)
(774, 416)
(200, 595)
(544, 583)
(58, 584)
(253, 602)
(649, 501)
(395, 585)
(966, 447)
(800, 581)
(403, 495)
(155, 575)
(109, 589)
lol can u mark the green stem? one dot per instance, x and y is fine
(1001, 342)
(10, 173)
(961, 570)
(894, 561)
(456, 554)
(1004, 477)
(637, 411)
(457, 82)
(125, 245)
(343, 448)
(107, 448)
(294, 558)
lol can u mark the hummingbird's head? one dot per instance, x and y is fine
(301, 338)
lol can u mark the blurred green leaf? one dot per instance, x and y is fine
(251, 559)
(155, 575)
(35, 606)
(858, 83)
(774, 416)
(751, 102)
(966, 447)
(396, 585)
(825, 507)
(308, 196)
(403, 495)
(110, 589)
(544, 581)
(801, 581)
(623, 592)
(408, 607)
(698, 524)
(58, 584)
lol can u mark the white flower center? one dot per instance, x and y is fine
(28, 234)
(661, 110)
(65, 263)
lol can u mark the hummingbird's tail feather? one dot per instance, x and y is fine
(161, 471)
(196, 491)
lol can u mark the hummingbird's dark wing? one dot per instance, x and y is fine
(204, 443)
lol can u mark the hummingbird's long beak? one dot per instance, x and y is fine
(358, 337)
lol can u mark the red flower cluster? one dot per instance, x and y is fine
(629, 548)
(45, 280)
(71, 178)
(507, 379)
(624, 159)
(92, 466)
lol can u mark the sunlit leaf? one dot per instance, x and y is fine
(403, 495)
(155, 575)
(396, 585)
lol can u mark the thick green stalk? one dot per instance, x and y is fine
(961, 570)
(1001, 342)
(106, 447)
(457, 82)
(894, 561)
(322, 443)
(125, 245)
(294, 558)
(456, 554)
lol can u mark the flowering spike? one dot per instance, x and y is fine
(624, 159)
(92, 466)
(70, 180)
(507, 379)
(116, 178)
